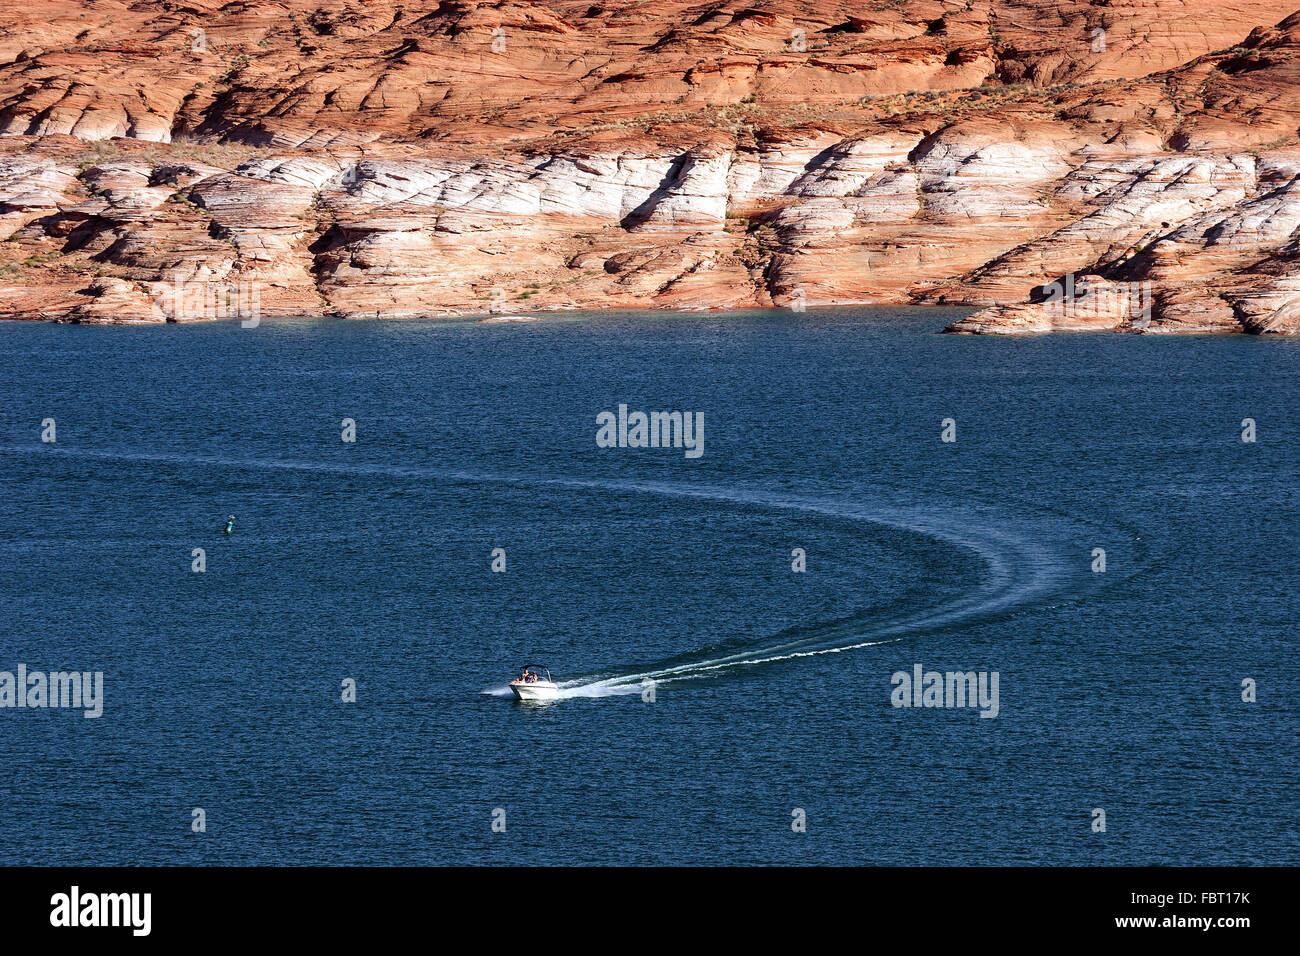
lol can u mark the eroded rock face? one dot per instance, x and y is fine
(1060, 165)
(115, 302)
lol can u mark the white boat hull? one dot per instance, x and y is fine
(537, 690)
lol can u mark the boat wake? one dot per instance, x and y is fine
(1023, 567)
(1030, 555)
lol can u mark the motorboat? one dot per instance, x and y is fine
(534, 683)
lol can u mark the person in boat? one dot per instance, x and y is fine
(230, 524)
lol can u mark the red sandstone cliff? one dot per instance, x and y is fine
(1064, 165)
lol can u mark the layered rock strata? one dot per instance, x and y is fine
(1055, 166)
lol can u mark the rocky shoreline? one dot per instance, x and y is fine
(1164, 202)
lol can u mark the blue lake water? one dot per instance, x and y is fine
(1118, 690)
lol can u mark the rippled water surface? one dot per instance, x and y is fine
(371, 560)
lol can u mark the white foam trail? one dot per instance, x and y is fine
(632, 683)
(1019, 568)
(597, 689)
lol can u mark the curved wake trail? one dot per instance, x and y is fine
(1022, 568)
(1020, 571)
